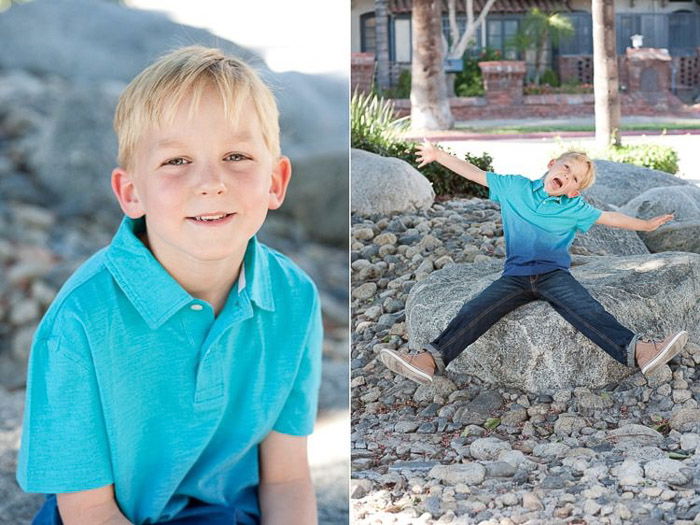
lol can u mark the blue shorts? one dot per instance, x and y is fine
(194, 513)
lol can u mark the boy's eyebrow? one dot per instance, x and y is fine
(174, 143)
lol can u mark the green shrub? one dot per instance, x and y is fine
(374, 128)
(373, 122)
(402, 89)
(468, 82)
(550, 78)
(654, 156)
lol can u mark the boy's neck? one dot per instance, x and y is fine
(210, 281)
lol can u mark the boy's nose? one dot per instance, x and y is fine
(211, 181)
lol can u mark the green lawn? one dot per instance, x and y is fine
(651, 127)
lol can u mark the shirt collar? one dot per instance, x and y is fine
(153, 291)
(538, 186)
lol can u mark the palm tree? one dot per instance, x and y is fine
(382, 42)
(430, 109)
(537, 30)
(605, 77)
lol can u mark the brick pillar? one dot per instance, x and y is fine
(503, 81)
(648, 70)
(362, 72)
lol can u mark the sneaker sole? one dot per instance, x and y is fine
(398, 365)
(674, 346)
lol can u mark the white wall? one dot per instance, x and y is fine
(639, 6)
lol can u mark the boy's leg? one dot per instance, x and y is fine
(479, 314)
(575, 304)
(198, 512)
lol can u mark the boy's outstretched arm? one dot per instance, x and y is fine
(286, 492)
(427, 153)
(620, 220)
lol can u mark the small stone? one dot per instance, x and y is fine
(385, 238)
(685, 419)
(406, 426)
(532, 502)
(363, 234)
(467, 473)
(359, 488)
(488, 448)
(365, 291)
(666, 470)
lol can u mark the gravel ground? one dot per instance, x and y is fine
(461, 451)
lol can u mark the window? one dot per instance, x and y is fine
(581, 43)
(368, 33)
(499, 33)
(682, 31)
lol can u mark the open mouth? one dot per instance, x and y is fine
(557, 183)
(214, 218)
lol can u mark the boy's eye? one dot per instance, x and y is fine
(236, 157)
(179, 161)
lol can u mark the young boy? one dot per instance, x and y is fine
(540, 220)
(176, 374)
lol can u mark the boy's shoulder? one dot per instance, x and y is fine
(284, 272)
(82, 287)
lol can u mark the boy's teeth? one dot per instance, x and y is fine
(211, 218)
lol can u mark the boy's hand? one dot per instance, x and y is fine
(655, 222)
(426, 153)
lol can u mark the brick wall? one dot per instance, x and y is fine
(362, 72)
(552, 106)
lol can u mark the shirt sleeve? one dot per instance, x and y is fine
(299, 412)
(501, 185)
(586, 216)
(64, 446)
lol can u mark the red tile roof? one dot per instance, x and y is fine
(500, 6)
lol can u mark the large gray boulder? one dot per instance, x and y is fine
(387, 185)
(82, 67)
(533, 348)
(618, 183)
(603, 240)
(683, 234)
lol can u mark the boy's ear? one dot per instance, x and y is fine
(125, 191)
(281, 174)
(551, 163)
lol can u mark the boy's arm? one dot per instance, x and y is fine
(428, 153)
(620, 220)
(286, 492)
(96, 506)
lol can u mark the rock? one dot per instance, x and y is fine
(668, 471)
(385, 185)
(603, 240)
(365, 291)
(468, 473)
(629, 473)
(535, 349)
(686, 420)
(488, 448)
(675, 236)
(359, 488)
(532, 502)
(683, 233)
(618, 183)
(440, 386)
(567, 424)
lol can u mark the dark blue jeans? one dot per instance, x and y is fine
(194, 513)
(559, 288)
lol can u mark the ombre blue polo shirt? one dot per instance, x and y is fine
(538, 228)
(133, 381)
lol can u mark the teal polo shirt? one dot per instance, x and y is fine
(133, 381)
(538, 228)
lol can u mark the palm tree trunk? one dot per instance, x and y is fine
(382, 40)
(430, 109)
(605, 77)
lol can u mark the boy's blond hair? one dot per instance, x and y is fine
(588, 177)
(153, 97)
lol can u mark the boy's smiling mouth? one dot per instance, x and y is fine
(211, 218)
(557, 183)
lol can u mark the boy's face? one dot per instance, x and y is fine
(204, 183)
(564, 177)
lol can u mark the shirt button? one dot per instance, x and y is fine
(196, 307)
